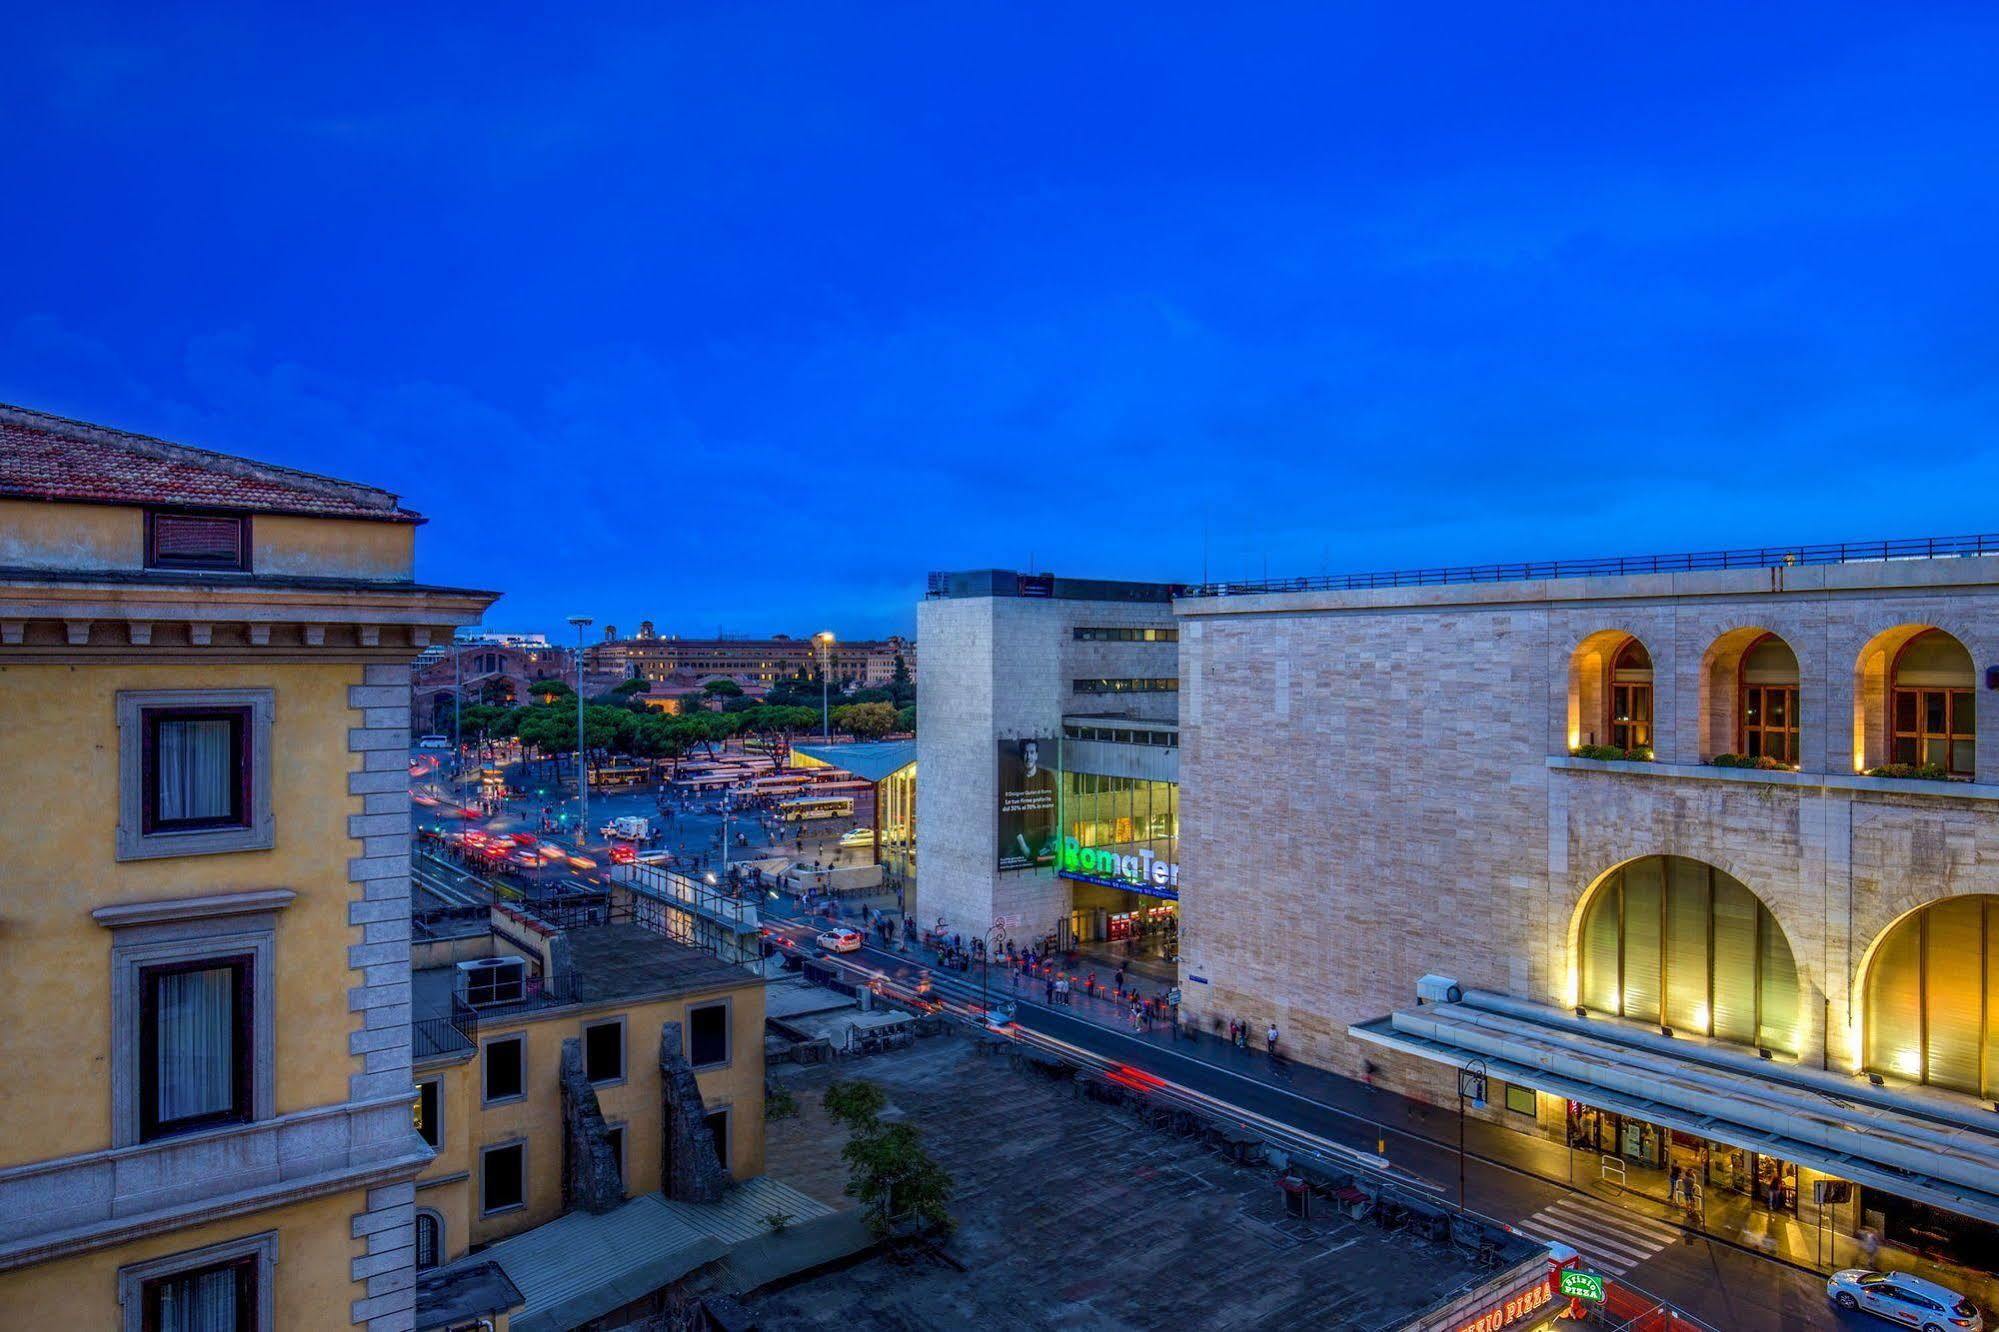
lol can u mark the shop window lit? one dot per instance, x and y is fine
(1631, 697)
(1932, 712)
(1930, 994)
(1675, 941)
(1520, 1100)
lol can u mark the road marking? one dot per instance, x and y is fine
(1611, 1239)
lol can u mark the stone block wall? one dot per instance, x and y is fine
(1375, 785)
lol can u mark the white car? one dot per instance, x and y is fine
(841, 941)
(434, 742)
(858, 837)
(1901, 1298)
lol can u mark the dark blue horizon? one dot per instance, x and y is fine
(745, 318)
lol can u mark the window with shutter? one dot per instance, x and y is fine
(197, 541)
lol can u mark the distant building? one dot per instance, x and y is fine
(869, 663)
(495, 673)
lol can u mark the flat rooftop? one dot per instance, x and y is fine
(1073, 1214)
(608, 963)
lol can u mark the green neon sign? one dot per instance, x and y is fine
(1581, 1285)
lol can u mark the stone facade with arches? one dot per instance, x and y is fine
(1400, 796)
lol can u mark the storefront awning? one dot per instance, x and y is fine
(1880, 1138)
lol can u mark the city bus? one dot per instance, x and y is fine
(825, 807)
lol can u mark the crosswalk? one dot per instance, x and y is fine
(1612, 1240)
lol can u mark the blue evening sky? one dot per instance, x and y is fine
(747, 315)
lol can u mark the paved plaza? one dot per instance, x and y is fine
(1072, 1214)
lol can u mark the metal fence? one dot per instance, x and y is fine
(1755, 557)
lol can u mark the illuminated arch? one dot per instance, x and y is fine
(1915, 700)
(1750, 697)
(1610, 691)
(1676, 941)
(1930, 999)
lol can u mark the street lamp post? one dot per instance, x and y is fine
(824, 638)
(457, 713)
(1471, 1085)
(581, 622)
(986, 966)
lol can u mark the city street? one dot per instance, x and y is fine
(1722, 1285)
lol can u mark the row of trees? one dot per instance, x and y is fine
(618, 723)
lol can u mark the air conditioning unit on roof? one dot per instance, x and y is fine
(487, 981)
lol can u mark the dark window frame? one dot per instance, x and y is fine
(486, 1097)
(1629, 703)
(247, 1270)
(721, 1135)
(616, 1024)
(1533, 1106)
(436, 1223)
(241, 814)
(728, 1041)
(242, 1107)
(519, 1148)
(240, 564)
(430, 1119)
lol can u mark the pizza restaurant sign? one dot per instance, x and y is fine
(1512, 1310)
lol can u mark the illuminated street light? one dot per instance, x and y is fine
(824, 638)
(581, 622)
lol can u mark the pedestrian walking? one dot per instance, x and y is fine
(1049, 996)
(1120, 980)
(1137, 1018)
(1270, 1040)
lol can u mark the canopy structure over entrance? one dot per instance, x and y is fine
(1912, 1142)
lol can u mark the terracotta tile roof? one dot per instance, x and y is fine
(52, 458)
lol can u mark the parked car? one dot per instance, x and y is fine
(841, 941)
(1908, 1300)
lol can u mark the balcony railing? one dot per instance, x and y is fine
(1756, 557)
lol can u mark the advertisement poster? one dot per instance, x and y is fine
(1026, 804)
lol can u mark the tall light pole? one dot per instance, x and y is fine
(824, 638)
(457, 712)
(581, 622)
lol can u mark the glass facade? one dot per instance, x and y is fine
(1674, 941)
(1930, 994)
(1126, 816)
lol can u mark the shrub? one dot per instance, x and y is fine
(1764, 764)
(1920, 772)
(1613, 754)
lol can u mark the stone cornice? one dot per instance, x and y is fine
(73, 1204)
(176, 909)
(1832, 781)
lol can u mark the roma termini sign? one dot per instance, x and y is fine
(1141, 871)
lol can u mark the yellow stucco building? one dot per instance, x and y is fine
(204, 681)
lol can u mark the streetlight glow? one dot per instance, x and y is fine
(824, 638)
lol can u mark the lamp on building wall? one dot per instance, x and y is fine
(1581, 1012)
(1876, 1080)
(1665, 1030)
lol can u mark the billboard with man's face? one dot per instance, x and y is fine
(1026, 804)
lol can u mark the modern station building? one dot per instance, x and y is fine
(1695, 859)
(1049, 747)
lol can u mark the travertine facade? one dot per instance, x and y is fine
(1376, 785)
(1005, 667)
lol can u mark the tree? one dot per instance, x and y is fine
(905, 719)
(777, 725)
(887, 1168)
(722, 689)
(547, 689)
(900, 675)
(865, 721)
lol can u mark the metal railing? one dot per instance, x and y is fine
(1755, 557)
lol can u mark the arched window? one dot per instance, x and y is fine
(1930, 711)
(429, 1240)
(1631, 697)
(1931, 994)
(1767, 718)
(1671, 940)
